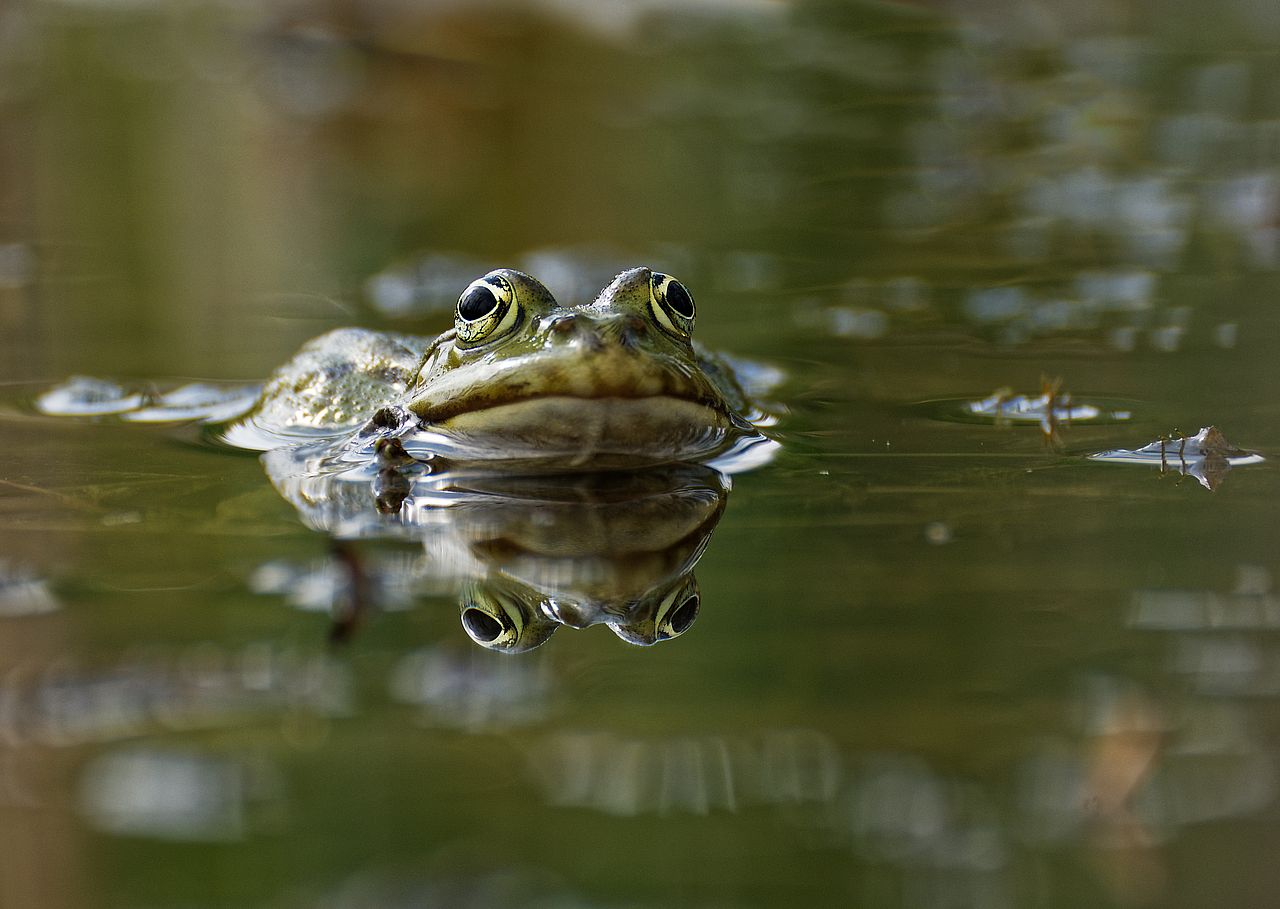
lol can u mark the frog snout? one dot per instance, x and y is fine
(628, 330)
(596, 334)
(576, 329)
(632, 328)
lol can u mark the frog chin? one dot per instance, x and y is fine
(585, 433)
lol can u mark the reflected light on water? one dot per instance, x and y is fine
(23, 593)
(174, 795)
(630, 776)
(902, 812)
(199, 687)
(393, 579)
(1203, 610)
(17, 264)
(472, 689)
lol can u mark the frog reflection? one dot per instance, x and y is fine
(529, 553)
(506, 615)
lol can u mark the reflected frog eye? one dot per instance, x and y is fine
(502, 621)
(678, 615)
(487, 309)
(484, 628)
(491, 625)
(672, 305)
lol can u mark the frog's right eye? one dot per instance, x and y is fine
(487, 309)
(677, 611)
(671, 304)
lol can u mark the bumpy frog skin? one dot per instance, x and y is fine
(614, 383)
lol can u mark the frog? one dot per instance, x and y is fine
(375, 435)
(521, 379)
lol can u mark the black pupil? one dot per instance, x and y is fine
(684, 615)
(482, 626)
(678, 299)
(477, 303)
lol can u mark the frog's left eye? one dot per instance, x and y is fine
(502, 621)
(672, 304)
(487, 309)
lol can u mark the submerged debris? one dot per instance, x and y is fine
(1207, 456)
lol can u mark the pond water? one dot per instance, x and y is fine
(995, 625)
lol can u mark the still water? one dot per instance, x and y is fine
(994, 626)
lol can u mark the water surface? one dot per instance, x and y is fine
(943, 658)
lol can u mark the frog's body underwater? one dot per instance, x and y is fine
(521, 379)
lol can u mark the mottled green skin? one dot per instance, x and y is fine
(599, 385)
(337, 381)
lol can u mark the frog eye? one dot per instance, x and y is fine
(498, 621)
(487, 627)
(487, 309)
(672, 304)
(676, 614)
(491, 620)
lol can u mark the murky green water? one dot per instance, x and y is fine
(941, 659)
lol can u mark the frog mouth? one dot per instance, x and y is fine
(610, 380)
(582, 433)
(610, 409)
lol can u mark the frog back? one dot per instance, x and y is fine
(335, 382)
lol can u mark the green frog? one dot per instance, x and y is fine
(440, 431)
(521, 379)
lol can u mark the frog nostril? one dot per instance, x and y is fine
(565, 325)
